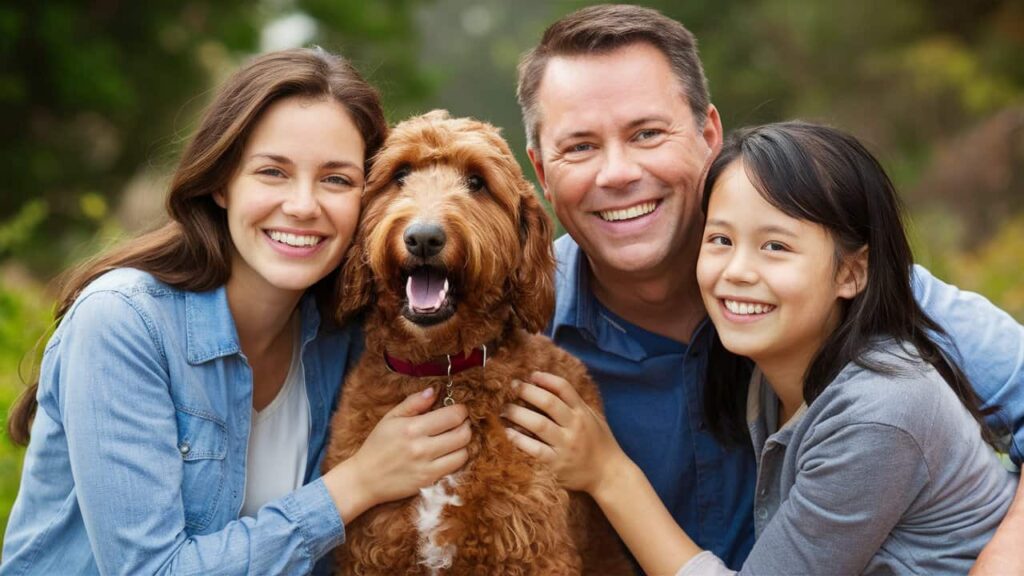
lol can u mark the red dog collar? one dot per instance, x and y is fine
(447, 367)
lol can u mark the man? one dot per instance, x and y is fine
(620, 131)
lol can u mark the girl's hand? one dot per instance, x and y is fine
(406, 451)
(574, 441)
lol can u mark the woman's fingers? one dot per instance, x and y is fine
(437, 421)
(438, 446)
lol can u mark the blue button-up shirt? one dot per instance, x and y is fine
(138, 453)
(652, 389)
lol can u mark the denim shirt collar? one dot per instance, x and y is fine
(577, 308)
(211, 331)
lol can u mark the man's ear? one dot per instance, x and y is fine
(853, 274)
(537, 161)
(713, 132)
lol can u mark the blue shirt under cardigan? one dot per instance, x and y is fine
(137, 458)
(652, 390)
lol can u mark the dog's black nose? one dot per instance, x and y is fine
(424, 239)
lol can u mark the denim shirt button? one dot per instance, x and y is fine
(184, 448)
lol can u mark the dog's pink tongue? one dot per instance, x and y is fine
(426, 290)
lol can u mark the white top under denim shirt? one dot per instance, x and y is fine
(138, 453)
(881, 474)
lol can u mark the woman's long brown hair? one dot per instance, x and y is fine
(192, 251)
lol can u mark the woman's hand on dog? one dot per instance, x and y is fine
(572, 439)
(406, 451)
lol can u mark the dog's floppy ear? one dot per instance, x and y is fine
(534, 282)
(355, 282)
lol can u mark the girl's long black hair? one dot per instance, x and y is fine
(822, 175)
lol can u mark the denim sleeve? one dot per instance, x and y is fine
(122, 443)
(850, 491)
(989, 346)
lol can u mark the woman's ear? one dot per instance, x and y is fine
(853, 274)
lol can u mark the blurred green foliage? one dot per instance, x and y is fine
(97, 97)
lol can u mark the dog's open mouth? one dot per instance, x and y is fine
(428, 296)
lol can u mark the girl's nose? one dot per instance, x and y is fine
(740, 269)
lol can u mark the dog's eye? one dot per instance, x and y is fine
(475, 183)
(400, 174)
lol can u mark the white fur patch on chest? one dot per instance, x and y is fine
(433, 500)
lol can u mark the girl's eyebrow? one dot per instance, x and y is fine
(768, 229)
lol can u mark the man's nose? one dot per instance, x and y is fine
(619, 169)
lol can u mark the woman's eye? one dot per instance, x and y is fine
(474, 182)
(775, 247)
(272, 172)
(337, 180)
(720, 240)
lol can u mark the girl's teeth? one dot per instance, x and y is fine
(294, 239)
(746, 308)
(628, 213)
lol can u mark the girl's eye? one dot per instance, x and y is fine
(775, 246)
(720, 240)
(475, 183)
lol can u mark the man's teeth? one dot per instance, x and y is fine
(294, 239)
(628, 213)
(744, 308)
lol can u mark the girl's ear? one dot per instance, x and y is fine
(853, 274)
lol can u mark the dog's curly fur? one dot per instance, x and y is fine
(514, 518)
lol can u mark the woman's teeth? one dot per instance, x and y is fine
(744, 308)
(294, 239)
(628, 213)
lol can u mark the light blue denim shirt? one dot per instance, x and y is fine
(653, 394)
(138, 453)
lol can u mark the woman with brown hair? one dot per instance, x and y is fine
(180, 416)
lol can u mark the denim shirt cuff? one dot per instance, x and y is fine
(317, 517)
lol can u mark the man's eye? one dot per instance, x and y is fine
(580, 148)
(647, 134)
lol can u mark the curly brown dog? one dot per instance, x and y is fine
(452, 265)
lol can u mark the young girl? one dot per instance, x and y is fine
(870, 449)
(184, 398)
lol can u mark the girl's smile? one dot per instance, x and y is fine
(769, 281)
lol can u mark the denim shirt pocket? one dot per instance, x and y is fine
(202, 443)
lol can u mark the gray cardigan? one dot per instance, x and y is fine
(880, 474)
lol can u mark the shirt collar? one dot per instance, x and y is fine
(211, 329)
(763, 413)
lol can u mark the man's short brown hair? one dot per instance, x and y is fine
(602, 29)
